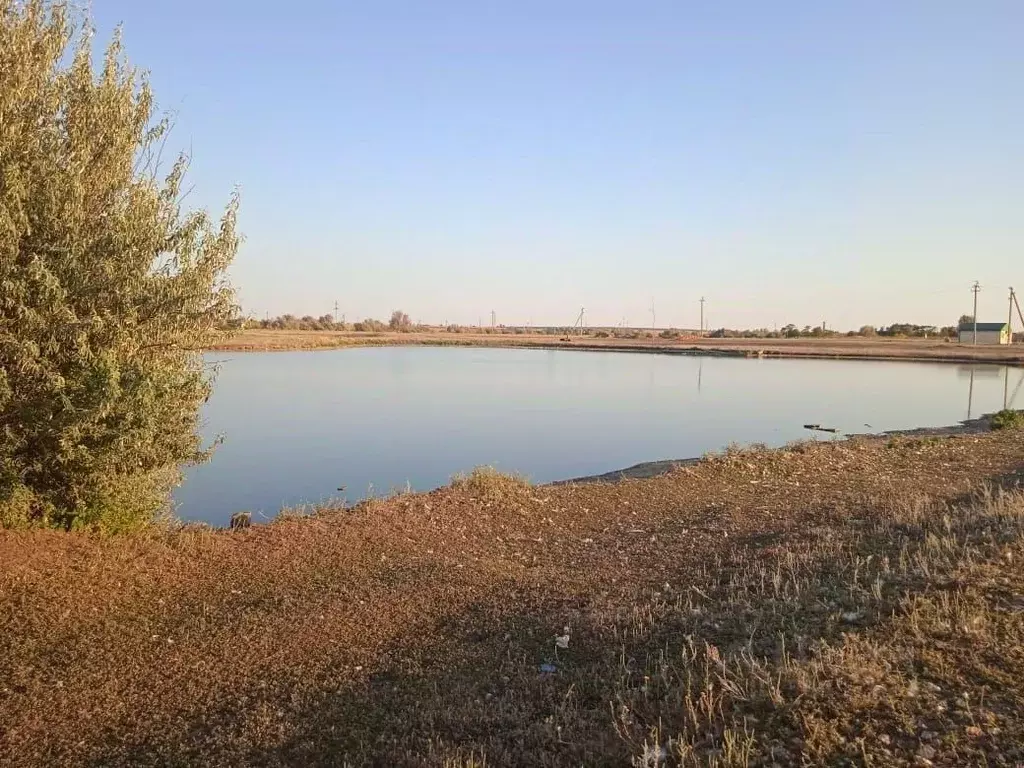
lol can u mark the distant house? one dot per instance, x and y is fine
(988, 333)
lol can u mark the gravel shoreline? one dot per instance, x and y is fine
(648, 469)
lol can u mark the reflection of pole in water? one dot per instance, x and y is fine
(1006, 384)
(1016, 390)
(970, 395)
(700, 372)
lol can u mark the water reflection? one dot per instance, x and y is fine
(1011, 402)
(990, 373)
(300, 425)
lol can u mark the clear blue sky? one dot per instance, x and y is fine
(857, 162)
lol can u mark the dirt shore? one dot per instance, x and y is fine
(844, 348)
(763, 607)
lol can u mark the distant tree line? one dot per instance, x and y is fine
(790, 331)
(401, 322)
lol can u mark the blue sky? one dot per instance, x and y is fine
(853, 162)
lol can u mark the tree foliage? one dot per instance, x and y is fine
(108, 289)
(399, 321)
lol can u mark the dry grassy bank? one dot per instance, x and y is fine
(849, 603)
(852, 348)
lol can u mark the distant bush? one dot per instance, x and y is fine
(370, 325)
(669, 333)
(400, 321)
(601, 335)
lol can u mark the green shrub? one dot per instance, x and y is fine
(1007, 419)
(109, 290)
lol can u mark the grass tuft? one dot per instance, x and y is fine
(488, 484)
(1007, 419)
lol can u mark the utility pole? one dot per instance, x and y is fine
(1020, 315)
(654, 323)
(335, 312)
(1009, 328)
(494, 319)
(975, 289)
(702, 300)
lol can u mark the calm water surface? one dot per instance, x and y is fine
(299, 425)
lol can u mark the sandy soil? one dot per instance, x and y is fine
(421, 630)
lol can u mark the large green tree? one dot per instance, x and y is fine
(108, 288)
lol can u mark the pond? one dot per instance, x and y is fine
(299, 426)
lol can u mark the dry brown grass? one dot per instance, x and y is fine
(846, 603)
(490, 486)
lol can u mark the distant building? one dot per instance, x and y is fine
(988, 333)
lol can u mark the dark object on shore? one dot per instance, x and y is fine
(819, 428)
(241, 520)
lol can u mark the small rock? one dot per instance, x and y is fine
(927, 751)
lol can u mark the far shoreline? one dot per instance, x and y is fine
(838, 348)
